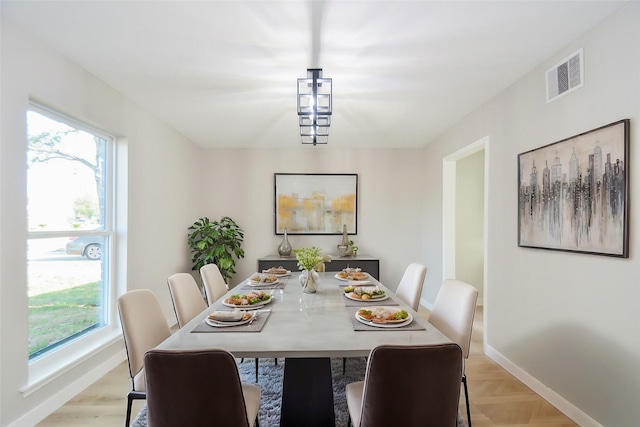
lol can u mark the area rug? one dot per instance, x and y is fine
(270, 382)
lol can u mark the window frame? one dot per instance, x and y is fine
(52, 364)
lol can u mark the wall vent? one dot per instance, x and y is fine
(566, 76)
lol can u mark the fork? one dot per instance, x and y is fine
(253, 318)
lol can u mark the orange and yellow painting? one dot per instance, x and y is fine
(315, 203)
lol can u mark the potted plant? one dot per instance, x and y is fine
(216, 242)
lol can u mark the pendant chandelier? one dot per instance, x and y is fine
(314, 107)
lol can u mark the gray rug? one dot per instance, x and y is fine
(270, 382)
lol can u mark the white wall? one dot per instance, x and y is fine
(163, 198)
(568, 322)
(470, 221)
(240, 185)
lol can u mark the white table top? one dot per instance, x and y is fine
(304, 325)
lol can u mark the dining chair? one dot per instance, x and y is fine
(417, 385)
(214, 285)
(410, 288)
(186, 297)
(143, 328)
(198, 388)
(452, 314)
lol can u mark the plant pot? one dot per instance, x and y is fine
(345, 250)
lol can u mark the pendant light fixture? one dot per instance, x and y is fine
(314, 107)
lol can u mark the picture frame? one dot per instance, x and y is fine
(315, 203)
(573, 195)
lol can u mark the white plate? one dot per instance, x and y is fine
(212, 322)
(252, 283)
(392, 324)
(278, 275)
(374, 299)
(357, 282)
(249, 307)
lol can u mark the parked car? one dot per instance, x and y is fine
(87, 246)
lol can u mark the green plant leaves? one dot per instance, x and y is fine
(216, 242)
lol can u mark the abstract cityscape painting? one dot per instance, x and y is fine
(573, 194)
(315, 203)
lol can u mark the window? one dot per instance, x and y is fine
(70, 231)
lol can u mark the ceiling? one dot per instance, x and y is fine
(223, 73)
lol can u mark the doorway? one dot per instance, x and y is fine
(465, 177)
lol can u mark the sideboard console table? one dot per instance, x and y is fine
(366, 263)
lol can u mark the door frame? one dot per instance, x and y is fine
(449, 210)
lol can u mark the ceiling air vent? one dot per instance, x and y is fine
(566, 76)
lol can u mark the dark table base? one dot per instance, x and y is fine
(307, 393)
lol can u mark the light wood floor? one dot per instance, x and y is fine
(497, 398)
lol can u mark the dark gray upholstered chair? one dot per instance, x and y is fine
(408, 386)
(198, 388)
(143, 327)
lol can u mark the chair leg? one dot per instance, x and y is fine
(133, 395)
(257, 370)
(129, 403)
(466, 397)
(276, 361)
(344, 365)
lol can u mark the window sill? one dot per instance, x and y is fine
(54, 366)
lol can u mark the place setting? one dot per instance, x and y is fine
(353, 277)
(266, 281)
(234, 321)
(380, 318)
(357, 296)
(277, 271)
(238, 313)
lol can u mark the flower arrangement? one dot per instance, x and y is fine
(308, 257)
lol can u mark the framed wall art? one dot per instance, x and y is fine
(315, 203)
(573, 195)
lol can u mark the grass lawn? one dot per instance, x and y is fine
(56, 315)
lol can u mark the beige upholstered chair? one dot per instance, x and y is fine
(214, 285)
(143, 328)
(408, 386)
(186, 297)
(452, 314)
(198, 388)
(410, 288)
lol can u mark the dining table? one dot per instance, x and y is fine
(307, 330)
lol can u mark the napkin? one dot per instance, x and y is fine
(227, 315)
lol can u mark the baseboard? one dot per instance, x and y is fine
(545, 392)
(49, 406)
